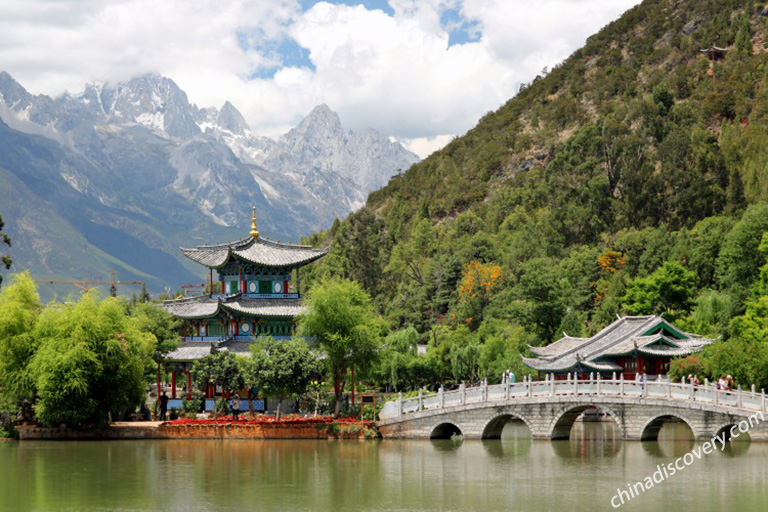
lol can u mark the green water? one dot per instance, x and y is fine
(513, 474)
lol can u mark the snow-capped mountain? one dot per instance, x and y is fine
(137, 162)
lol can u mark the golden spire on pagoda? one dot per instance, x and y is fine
(254, 231)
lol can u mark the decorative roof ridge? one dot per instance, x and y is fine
(185, 300)
(602, 350)
(222, 245)
(602, 334)
(267, 241)
(244, 242)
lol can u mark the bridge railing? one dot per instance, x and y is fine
(507, 393)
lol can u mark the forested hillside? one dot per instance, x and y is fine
(632, 178)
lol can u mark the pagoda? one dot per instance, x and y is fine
(630, 346)
(253, 295)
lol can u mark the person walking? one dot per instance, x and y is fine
(235, 403)
(163, 406)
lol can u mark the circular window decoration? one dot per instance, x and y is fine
(245, 327)
(253, 287)
(278, 287)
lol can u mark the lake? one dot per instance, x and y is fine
(514, 473)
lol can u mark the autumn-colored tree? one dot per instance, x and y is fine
(612, 261)
(477, 282)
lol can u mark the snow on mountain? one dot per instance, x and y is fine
(159, 164)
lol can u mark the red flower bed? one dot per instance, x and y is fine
(264, 420)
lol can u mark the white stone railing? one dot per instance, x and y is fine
(572, 386)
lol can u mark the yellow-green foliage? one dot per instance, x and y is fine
(76, 361)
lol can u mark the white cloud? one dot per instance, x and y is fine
(393, 73)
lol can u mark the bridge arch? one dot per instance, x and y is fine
(650, 431)
(493, 428)
(445, 430)
(566, 416)
(740, 428)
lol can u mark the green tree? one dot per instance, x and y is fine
(4, 239)
(19, 310)
(157, 321)
(739, 261)
(340, 319)
(282, 368)
(220, 369)
(744, 36)
(90, 361)
(669, 290)
(544, 295)
(398, 351)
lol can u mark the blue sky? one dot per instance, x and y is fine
(421, 71)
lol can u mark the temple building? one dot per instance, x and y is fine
(629, 346)
(714, 53)
(254, 294)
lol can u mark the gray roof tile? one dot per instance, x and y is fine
(621, 337)
(260, 251)
(206, 307)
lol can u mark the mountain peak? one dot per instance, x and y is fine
(231, 120)
(12, 92)
(156, 102)
(321, 124)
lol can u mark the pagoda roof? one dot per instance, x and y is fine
(258, 250)
(650, 334)
(194, 350)
(207, 307)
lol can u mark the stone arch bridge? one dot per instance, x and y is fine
(549, 409)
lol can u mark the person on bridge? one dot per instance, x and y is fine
(511, 376)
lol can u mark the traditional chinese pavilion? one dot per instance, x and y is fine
(253, 294)
(630, 345)
(714, 53)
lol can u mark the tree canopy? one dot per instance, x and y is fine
(77, 362)
(281, 368)
(220, 368)
(341, 321)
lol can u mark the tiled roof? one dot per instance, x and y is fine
(260, 251)
(194, 350)
(558, 347)
(623, 336)
(190, 351)
(603, 366)
(206, 307)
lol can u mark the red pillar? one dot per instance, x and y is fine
(173, 384)
(353, 385)
(158, 381)
(189, 385)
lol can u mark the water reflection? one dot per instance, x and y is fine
(675, 440)
(513, 473)
(447, 445)
(515, 441)
(589, 440)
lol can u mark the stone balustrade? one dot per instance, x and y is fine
(633, 404)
